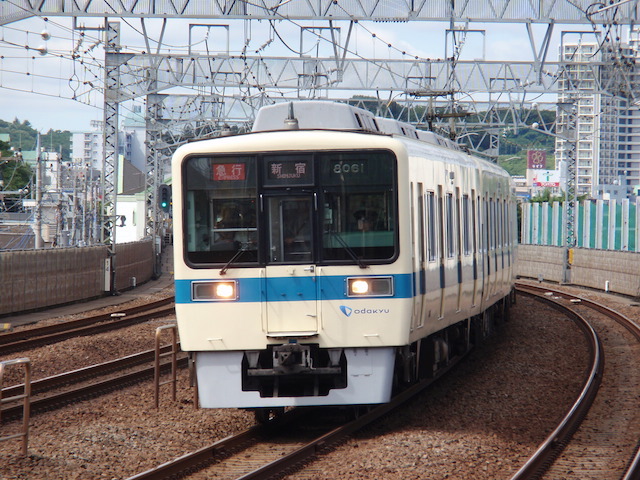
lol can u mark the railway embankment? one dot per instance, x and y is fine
(65, 276)
(607, 270)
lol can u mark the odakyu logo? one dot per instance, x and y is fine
(348, 311)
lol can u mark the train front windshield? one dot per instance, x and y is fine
(327, 208)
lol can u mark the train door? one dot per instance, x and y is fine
(486, 250)
(460, 239)
(418, 237)
(478, 263)
(290, 283)
(441, 243)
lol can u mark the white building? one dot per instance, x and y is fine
(87, 148)
(629, 125)
(607, 143)
(132, 138)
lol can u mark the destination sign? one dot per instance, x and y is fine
(229, 171)
(285, 171)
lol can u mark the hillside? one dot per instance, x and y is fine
(23, 136)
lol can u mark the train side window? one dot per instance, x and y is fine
(450, 226)
(466, 226)
(486, 226)
(475, 214)
(440, 225)
(492, 223)
(458, 223)
(507, 231)
(507, 239)
(421, 236)
(500, 219)
(431, 226)
(498, 210)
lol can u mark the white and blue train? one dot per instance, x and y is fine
(330, 254)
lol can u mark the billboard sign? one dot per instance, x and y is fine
(536, 159)
(546, 178)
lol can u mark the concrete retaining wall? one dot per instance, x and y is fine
(616, 271)
(35, 279)
(540, 262)
(133, 261)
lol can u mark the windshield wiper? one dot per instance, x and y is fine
(242, 249)
(349, 250)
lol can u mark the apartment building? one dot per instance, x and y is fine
(595, 97)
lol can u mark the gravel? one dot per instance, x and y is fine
(480, 421)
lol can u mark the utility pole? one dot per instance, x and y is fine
(568, 135)
(83, 237)
(38, 233)
(113, 61)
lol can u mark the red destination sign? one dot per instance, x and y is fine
(228, 171)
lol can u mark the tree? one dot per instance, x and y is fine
(5, 149)
(546, 196)
(23, 137)
(16, 175)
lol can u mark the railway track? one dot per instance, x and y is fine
(598, 438)
(260, 453)
(34, 337)
(68, 387)
(243, 456)
(291, 452)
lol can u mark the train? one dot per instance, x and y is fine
(330, 256)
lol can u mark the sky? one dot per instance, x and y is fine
(40, 83)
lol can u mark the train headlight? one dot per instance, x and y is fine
(370, 286)
(225, 290)
(215, 290)
(359, 287)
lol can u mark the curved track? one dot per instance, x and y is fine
(295, 454)
(598, 439)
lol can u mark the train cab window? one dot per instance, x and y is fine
(358, 212)
(290, 221)
(220, 216)
(332, 207)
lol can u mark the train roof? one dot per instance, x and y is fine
(326, 115)
(329, 116)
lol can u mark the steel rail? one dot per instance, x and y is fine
(633, 470)
(339, 434)
(195, 461)
(553, 445)
(34, 337)
(223, 448)
(84, 373)
(623, 320)
(74, 394)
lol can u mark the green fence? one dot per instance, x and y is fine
(600, 224)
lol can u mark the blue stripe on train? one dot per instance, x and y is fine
(293, 288)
